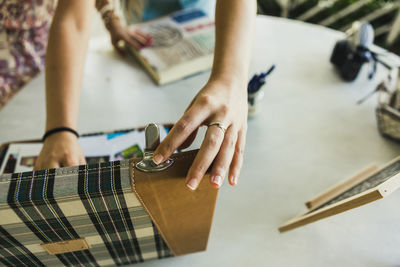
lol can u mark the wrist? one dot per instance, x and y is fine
(61, 138)
(111, 21)
(61, 121)
(229, 80)
(229, 71)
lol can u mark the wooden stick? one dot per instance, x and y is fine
(341, 187)
(346, 204)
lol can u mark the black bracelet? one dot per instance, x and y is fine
(59, 129)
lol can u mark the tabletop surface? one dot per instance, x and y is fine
(309, 134)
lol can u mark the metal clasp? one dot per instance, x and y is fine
(152, 135)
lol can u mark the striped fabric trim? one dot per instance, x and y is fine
(31, 197)
(14, 253)
(102, 196)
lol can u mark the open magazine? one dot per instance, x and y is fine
(182, 45)
(21, 157)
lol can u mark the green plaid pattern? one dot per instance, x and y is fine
(94, 202)
(14, 253)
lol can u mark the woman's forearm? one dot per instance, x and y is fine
(234, 21)
(65, 59)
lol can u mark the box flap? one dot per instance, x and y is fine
(182, 216)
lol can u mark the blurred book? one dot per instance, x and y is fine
(182, 45)
(97, 148)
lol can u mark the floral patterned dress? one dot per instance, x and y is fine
(24, 28)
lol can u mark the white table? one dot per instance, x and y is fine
(309, 135)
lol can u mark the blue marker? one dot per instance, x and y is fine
(255, 94)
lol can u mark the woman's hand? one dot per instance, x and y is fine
(218, 101)
(120, 33)
(60, 150)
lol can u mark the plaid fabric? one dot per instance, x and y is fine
(94, 202)
(14, 253)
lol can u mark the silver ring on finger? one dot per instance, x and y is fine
(219, 125)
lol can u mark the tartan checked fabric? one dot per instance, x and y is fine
(93, 201)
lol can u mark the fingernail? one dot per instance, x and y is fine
(192, 184)
(217, 180)
(234, 180)
(157, 159)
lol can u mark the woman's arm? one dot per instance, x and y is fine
(223, 99)
(65, 58)
(234, 39)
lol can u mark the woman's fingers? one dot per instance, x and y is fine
(142, 34)
(216, 102)
(208, 150)
(132, 41)
(82, 160)
(237, 160)
(60, 150)
(51, 164)
(70, 161)
(141, 37)
(224, 157)
(119, 41)
(181, 131)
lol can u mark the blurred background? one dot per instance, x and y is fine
(384, 15)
